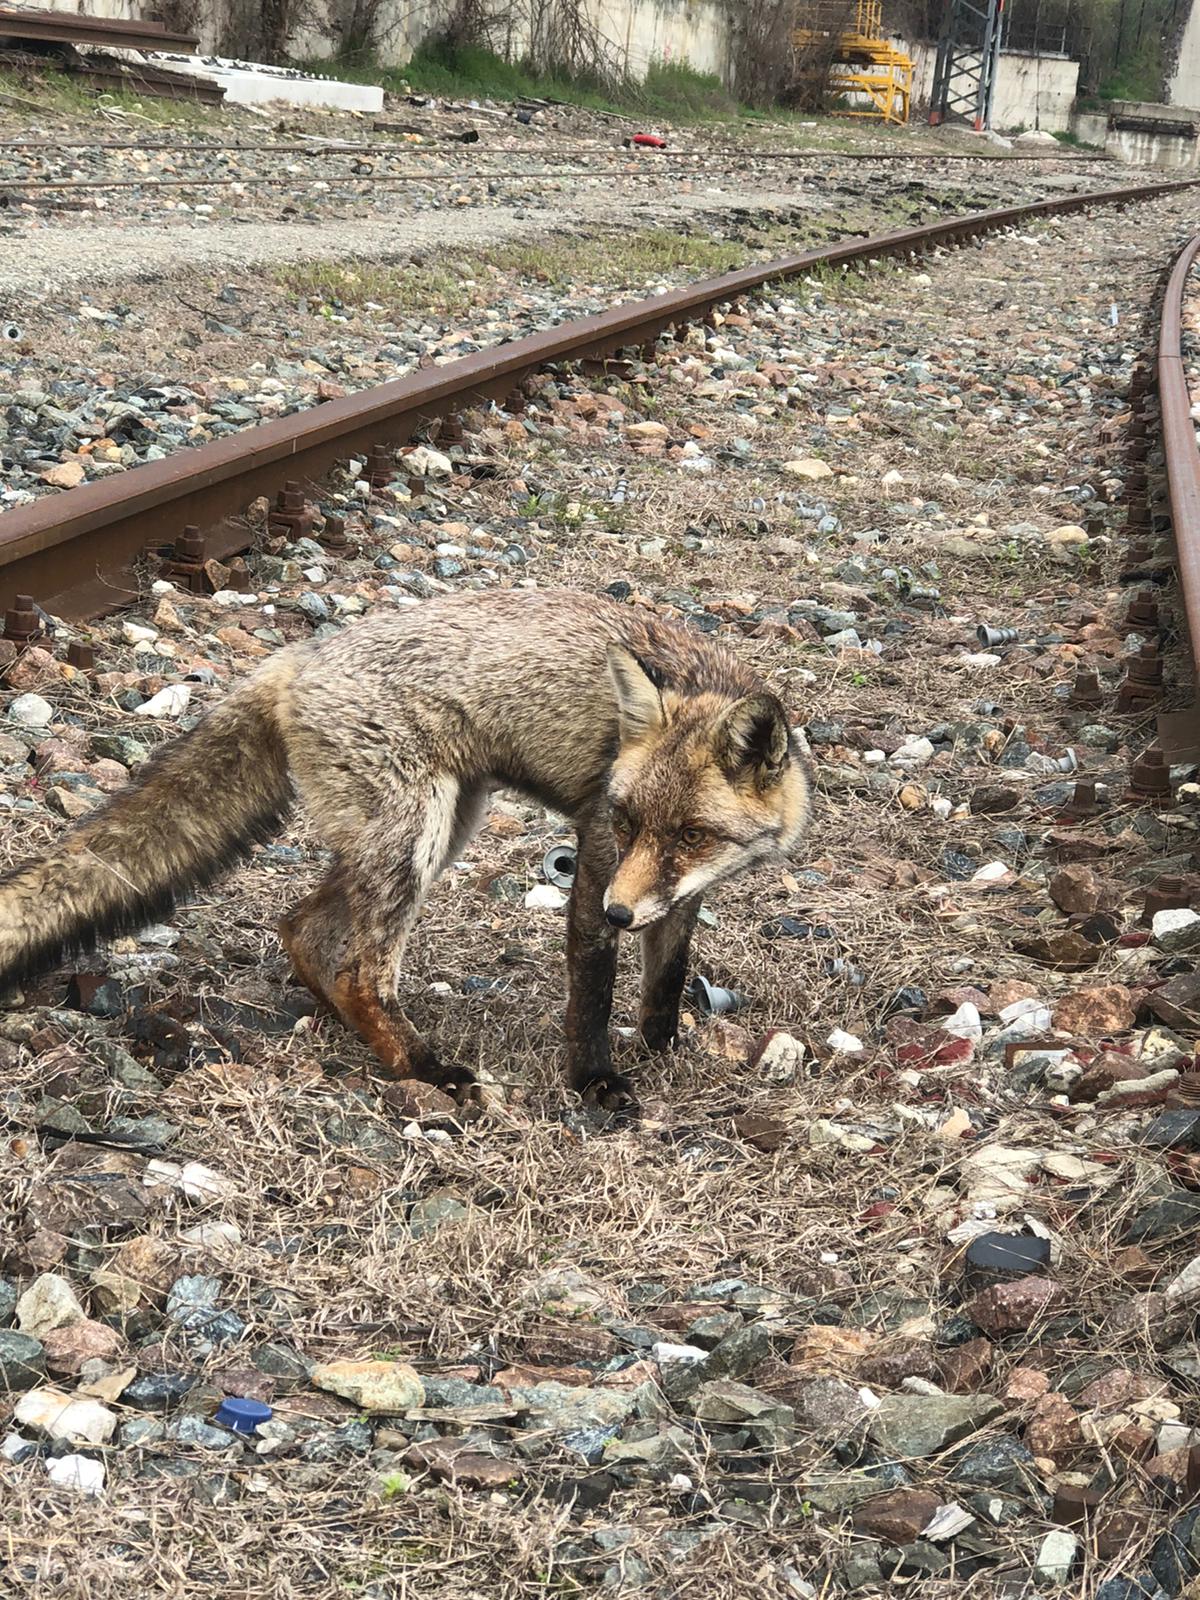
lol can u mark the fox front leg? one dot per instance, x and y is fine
(591, 969)
(664, 967)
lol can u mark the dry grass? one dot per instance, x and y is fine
(323, 1180)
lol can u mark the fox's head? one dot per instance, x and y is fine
(702, 788)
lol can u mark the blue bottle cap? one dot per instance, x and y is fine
(243, 1416)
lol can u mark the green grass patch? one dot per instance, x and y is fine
(68, 95)
(450, 286)
(673, 91)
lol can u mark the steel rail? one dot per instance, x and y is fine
(69, 550)
(1180, 450)
(554, 152)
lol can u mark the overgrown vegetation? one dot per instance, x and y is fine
(672, 91)
(454, 285)
(66, 94)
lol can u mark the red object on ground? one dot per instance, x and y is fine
(651, 140)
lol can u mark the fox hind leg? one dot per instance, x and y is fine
(316, 934)
(397, 859)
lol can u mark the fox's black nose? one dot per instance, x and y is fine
(620, 916)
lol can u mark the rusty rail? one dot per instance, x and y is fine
(1182, 457)
(70, 550)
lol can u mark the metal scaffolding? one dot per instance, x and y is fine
(857, 62)
(964, 80)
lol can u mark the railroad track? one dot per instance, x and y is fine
(71, 552)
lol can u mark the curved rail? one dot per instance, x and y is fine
(67, 550)
(1180, 450)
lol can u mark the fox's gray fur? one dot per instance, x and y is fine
(673, 761)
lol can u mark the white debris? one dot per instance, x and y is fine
(1172, 930)
(946, 1522)
(844, 1044)
(60, 1416)
(913, 753)
(424, 462)
(169, 702)
(965, 1023)
(545, 897)
(138, 633)
(685, 1355)
(77, 1472)
(193, 1180)
(31, 710)
(991, 873)
(47, 1304)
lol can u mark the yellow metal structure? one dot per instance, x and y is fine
(864, 64)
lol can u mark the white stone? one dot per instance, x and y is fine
(212, 1235)
(424, 462)
(685, 1355)
(48, 1303)
(1056, 1556)
(77, 1472)
(169, 702)
(1176, 930)
(808, 467)
(913, 753)
(843, 1043)
(31, 710)
(59, 1416)
(781, 1058)
(991, 873)
(138, 633)
(1186, 1285)
(545, 897)
(965, 1023)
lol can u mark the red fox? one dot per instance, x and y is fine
(674, 762)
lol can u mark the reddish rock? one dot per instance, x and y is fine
(1134, 1442)
(1026, 1384)
(68, 1348)
(725, 1040)
(1118, 1389)
(1014, 1307)
(767, 1134)
(947, 1001)
(457, 1463)
(1007, 991)
(1075, 889)
(903, 1358)
(421, 1102)
(1171, 1467)
(1054, 1429)
(964, 1368)
(899, 1516)
(1133, 1264)
(1103, 1072)
(1093, 1013)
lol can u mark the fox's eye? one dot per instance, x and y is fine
(692, 837)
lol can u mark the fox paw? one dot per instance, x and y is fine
(612, 1094)
(460, 1083)
(659, 1034)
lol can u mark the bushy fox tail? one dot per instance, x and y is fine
(192, 810)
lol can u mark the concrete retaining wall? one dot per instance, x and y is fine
(1031, 91)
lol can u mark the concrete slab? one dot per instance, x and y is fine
(253, 83)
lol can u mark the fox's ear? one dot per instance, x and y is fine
(752, 739)
(639, 704)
